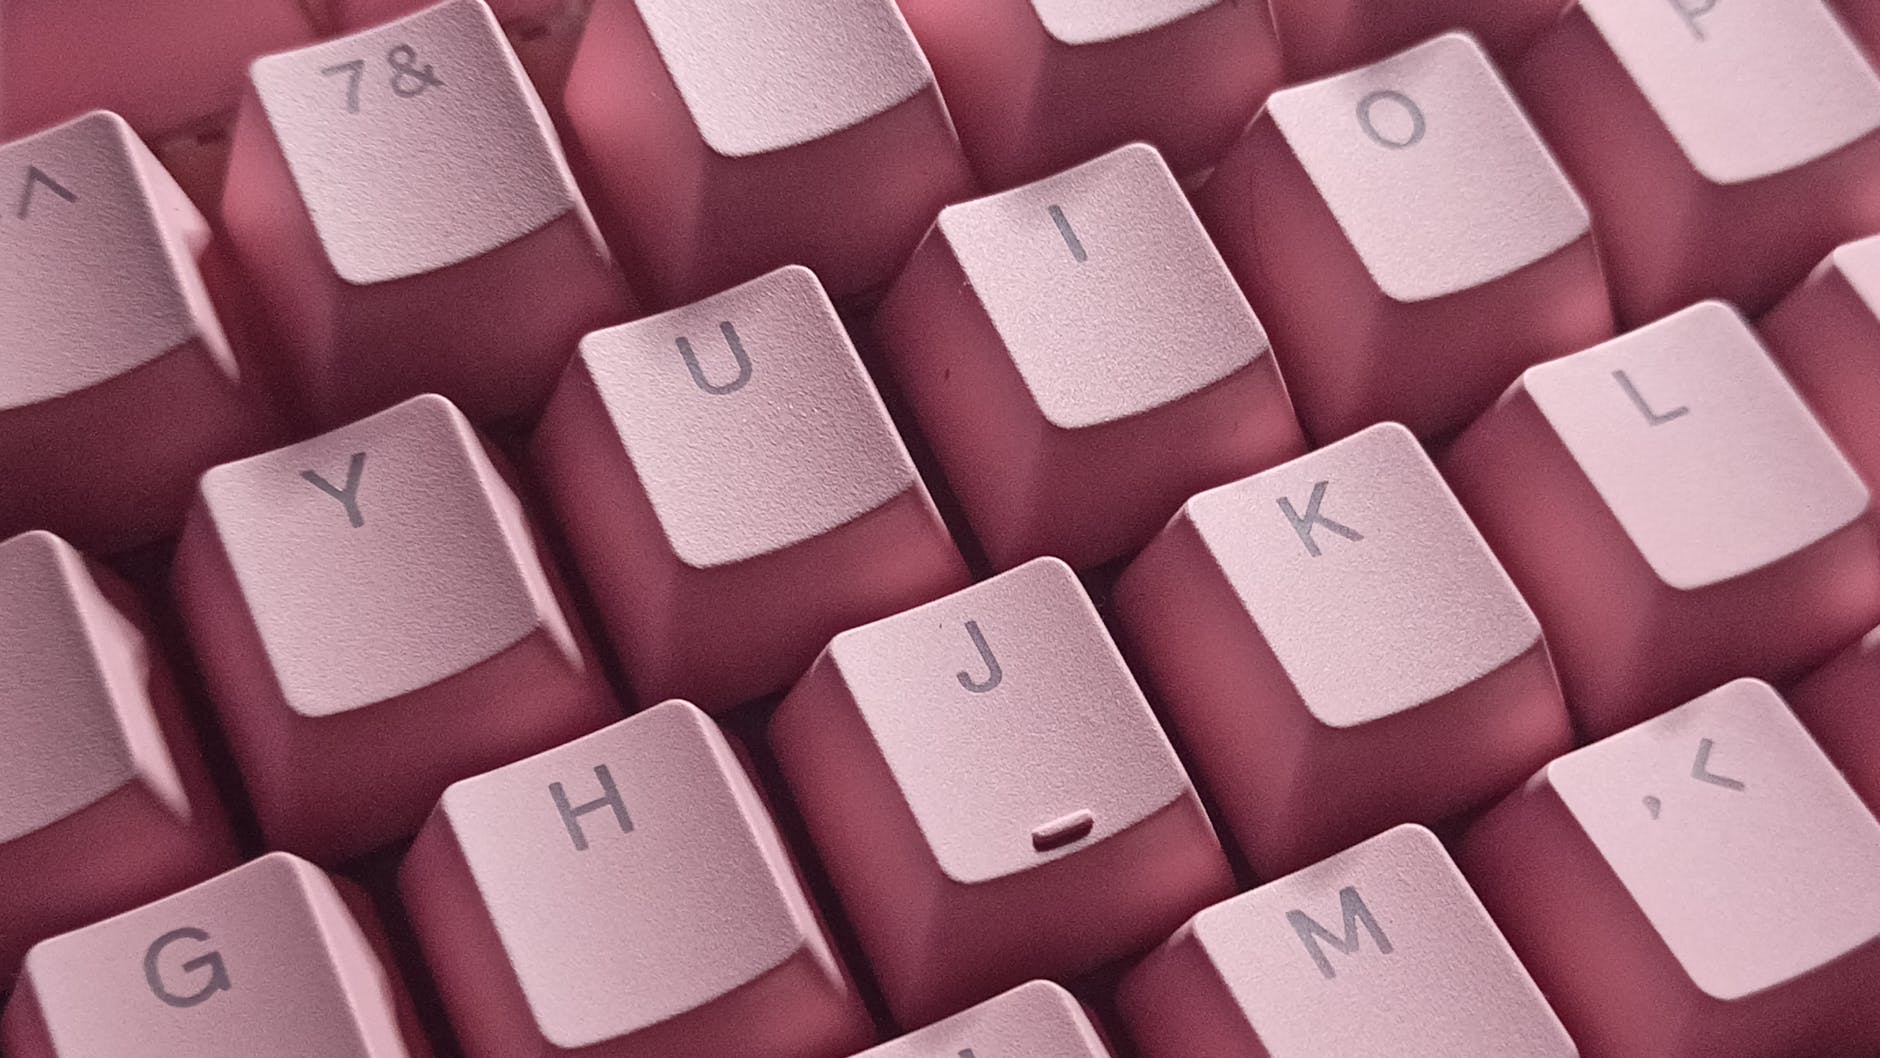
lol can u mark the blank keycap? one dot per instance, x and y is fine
(991, 794)
(104, 802)
(404, 207)
(110, 341)
(1408, 241)
(1381, 951)
(1840, 705)
(163, 64)
(1675, 515)
(1826, 336)
(1324, 36)
(1702, 884)
(1039, 85)
(626, 896)
(375, 622)
(732, 139)
(1081, 361)
(273, 958)
(1339, 651)
(1724, 147)
(1034, 1020)
(734, 492)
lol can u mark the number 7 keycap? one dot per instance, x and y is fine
(405, 210)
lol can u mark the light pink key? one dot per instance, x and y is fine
(1381, 951)
(1081, 361)
(1675, 515)
(1702, 884)
(1826, 336)
(1407, 239)
(1319, 37)
(1041, 85)
(731, 139)
(626, 896)
(1723, 147)
(1338, 650)
(1840, 704)
(118, 382)
(404, 207)
(992, 795)
(273, 958)
(1035, 1020)
(734, 492)
(375, 622)
(165, 65)
(104, 802)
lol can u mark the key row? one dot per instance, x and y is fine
(1702, 883)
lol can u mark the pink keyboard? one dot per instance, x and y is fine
(939, 528)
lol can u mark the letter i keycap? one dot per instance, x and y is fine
(1381, 951)
(273, 958)
(1705, 883)
(375, 622)
(625, 895)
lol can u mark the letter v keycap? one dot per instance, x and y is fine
(375, 621)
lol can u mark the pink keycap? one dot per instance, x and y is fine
(732, 139)
(1723, 147)
(1702, 884)
(1840, 705)
(1408, 241)
(1675, 515)
(118, 382)
(1338, 650)
(1081, 361)
(1034, 1020)
(1381, 951)
(992, 795)
(1039, 85)
(1826, 336)
(734, 492)
(165, 65)
(273, 958)
(104, 802)
(404, 207)
(626, 896)
(1319, 37)
(375, 622)
(358, 14)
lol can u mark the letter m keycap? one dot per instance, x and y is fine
(1351, 905)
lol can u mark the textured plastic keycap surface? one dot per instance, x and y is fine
(1040, 85)
(164, 65)
(1081, 361)
(402, 201)
(1724, 147)
(1657, 498)
(1388, 223)
(1703, 883)
(1381, 951)
(992, 794)
(734, 491)
(728, 140)
(109, 339)
(1246, 613)
(626, 895)
(104, 801)
(375, 622)
(271, 958)
(1035, 1020)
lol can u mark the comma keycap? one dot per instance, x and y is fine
(375, 621)
(1407, 239)
(1704, 883)
(1659, 499)
(626, 895)
(991, 793)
